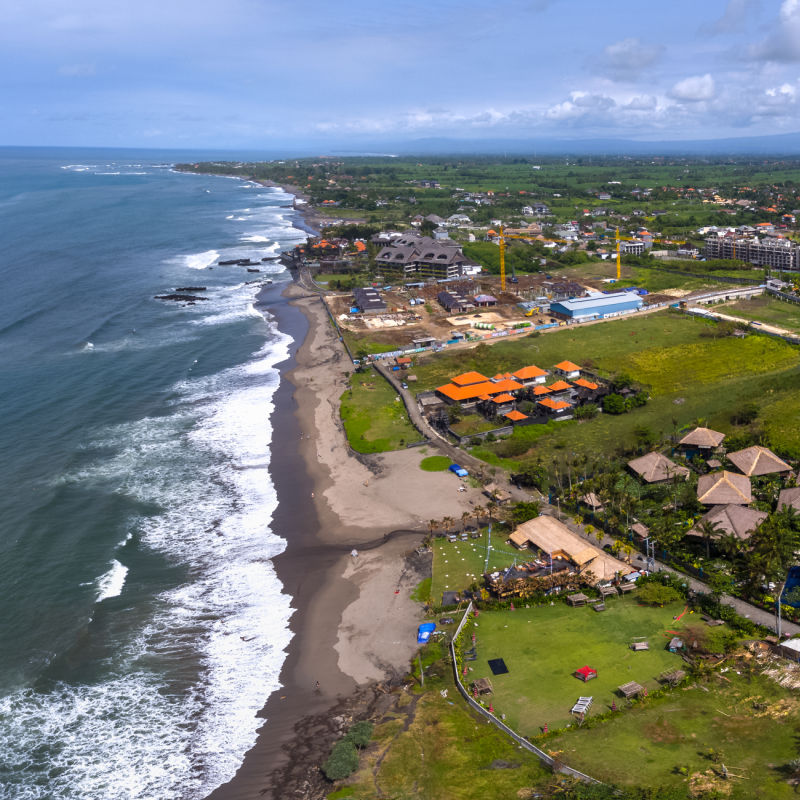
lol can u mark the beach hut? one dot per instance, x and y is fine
(585, 673)
(576, 600)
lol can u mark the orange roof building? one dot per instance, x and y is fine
(515, 416)
(503, 398)
(477, 391)
(554, 405)
(468, 378)
(531, 374)
(584, 384)
(560, 386)
(541, 390)
(568, 368)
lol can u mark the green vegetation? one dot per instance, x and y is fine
(543, 646)
(767, 309)
(691, 376)
(422, 592)
(433, 746)
(459, 565)
(435, 463)
(471, 424)
(375, 419)
(681, 740)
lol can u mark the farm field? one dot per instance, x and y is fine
(767, 309)
(666, 741)
(542, 646)
(374, 418)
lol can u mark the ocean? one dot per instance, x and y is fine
(143, 625)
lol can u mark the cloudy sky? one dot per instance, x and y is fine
(255, 73)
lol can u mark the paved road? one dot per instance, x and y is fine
(437, 440)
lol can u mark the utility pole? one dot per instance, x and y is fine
(780, 594)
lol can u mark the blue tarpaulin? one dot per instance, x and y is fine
(424, 631)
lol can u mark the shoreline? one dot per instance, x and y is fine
(354, 624)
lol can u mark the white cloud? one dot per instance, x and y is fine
(694, 89)
(783, 44)
(627, 59)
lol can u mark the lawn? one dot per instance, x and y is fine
(435, 463)
(767, 309)
(650, 743)
(457, 565)
(542, 646)
(374, 417)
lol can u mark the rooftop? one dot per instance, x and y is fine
(703, 437)
(722, 488)
(656, 467)
(757, 460)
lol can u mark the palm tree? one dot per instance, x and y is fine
(491, 507)
(478, 511)
(464, 517)
(447, 523)
(709, 530)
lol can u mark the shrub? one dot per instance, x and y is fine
(342, 762)
(360, 734)
(654, 594)
(614, 404)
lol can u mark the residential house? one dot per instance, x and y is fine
(657, 468)
(789, 498)
(736, 520)
(568, 369)
(555, 409)
(753, 461)
(722, 488)
(701, 441)
(530, 376)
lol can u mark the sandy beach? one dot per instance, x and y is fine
(354, 624)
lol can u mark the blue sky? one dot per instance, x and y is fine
(261, 73)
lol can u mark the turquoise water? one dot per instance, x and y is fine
(143, 625)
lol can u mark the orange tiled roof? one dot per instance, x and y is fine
(560, 386)
(478, 390)
(360, 246)
(503, 398)
(542, 390)
(468, 378)
(515, 416)
(555, 405)
(585, 384)
(526, 373)
(567, 366)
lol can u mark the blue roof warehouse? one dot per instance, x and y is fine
(597, 306)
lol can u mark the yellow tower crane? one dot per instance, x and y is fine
(502, 237)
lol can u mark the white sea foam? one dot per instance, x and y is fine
(201, 260)
(205, 465)
(255, 238)
(110, 584)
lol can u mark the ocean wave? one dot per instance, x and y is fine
(200, 260)
(110, 584)
(205, 465)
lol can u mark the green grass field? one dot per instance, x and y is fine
(543, 646)
(375, 419)
(435, 463)
(457, 565)
(767, 309)
(691, 378)
(430, 746)
(649, 744)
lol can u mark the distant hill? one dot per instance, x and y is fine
(779, 144)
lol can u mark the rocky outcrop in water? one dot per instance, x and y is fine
(180, 297)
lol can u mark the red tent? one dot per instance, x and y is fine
(585, 673)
